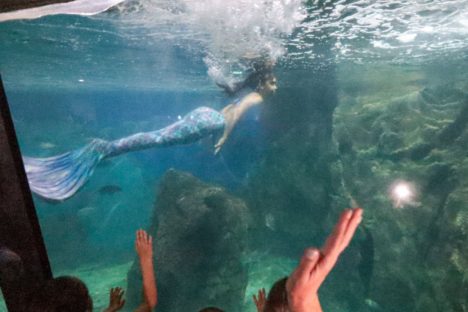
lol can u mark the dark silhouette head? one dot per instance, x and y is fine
(61, 294)
(11, 265)
(277, 300)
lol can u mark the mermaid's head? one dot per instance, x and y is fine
(267, 83)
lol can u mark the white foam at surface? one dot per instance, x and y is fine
(373, 28)
(78, 7)
(230, 31)
(406, 37)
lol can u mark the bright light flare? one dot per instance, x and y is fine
(402, 193)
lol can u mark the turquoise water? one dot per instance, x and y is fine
(371, 105)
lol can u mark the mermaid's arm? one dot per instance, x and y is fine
(233, 112)
(231, 118)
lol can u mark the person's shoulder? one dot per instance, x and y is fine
(253, 97)
(241, 95)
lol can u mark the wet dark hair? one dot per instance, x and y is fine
(61, 294)
(277, 300)
(261, 72)
(211, 309)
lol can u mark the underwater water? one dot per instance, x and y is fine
(371, 107)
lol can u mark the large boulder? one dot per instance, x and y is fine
(200, 236)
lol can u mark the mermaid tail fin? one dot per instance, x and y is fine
(60, 177)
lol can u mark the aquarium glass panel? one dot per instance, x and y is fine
(235, 133)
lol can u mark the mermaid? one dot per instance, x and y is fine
(60, 177)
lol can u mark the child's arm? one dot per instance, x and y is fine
(144, 248)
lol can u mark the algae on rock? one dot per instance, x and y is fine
(420, 249)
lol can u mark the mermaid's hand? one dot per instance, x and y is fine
(220, 144)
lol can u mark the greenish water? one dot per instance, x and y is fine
(370, 107)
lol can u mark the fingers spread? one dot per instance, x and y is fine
(142, 237)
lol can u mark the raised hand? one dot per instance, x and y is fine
(144, 244)
(260, 300)
(115, 300)
(303, 284)
(144, 249)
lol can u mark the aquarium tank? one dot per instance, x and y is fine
(235, 133)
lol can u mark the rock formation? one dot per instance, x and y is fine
(199, 235)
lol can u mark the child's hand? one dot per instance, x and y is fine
(144, 249)
(303, 284)
(261, 300)
(144, 245)
(115, 300)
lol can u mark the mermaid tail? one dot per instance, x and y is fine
(60, 177)
(197, 124)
